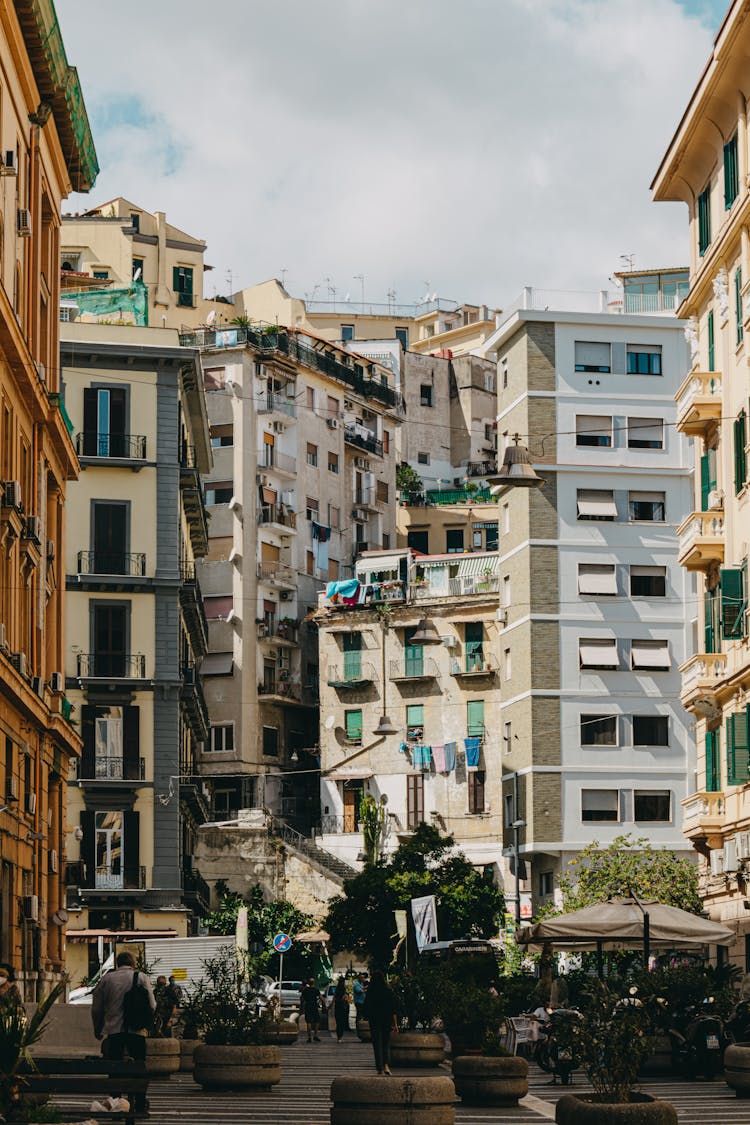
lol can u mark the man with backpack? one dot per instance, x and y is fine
(122, 1011)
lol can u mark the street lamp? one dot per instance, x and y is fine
(516, 470)
(517, 825)
(385, 724)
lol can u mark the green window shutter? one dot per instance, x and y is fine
(353, 720)
(713, 761)
(710, 611)
(352, 656)
(740, 467)
(177, 279)
(732, 601)
(415, 715)
(738, 304)
(704, 220)
(708, 480)
(731, 177)
(711, 343)
(738, 758)
(475, 718)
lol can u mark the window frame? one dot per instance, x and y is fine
(596, 818)
(588, 723)
(661, 720)
(641, 794)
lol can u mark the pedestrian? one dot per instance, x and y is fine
(310, 1004)
(379, 1010)
(166, 1008)
(122, 1011)
(178, 994)
(341, 1009)
(358, 993)
(10, 997)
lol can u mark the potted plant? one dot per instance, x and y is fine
(469, 1012)
(610, 1041)
(18, 1034)
(234, 1054)
(494, 1077)
(417, 1043)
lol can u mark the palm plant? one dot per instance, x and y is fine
(18, 1034)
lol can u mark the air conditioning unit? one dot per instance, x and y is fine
(11, 788)
(450, 641)
(715, 499)
(717, 862)
(332, 423)
(57, 683)
(53, 861)
(37, 686)
(11, 494)
(730, 855)
(361, 463)
(31, 908)
(9, 166)
(23, 222)
(31, 803)
(359, 514)
(279, 427)
(743, 845)
(18, 660)
(285, 595)
(32, 528)
(501, 616)
(3, 638)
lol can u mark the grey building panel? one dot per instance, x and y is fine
(168, 476)
(166, 871)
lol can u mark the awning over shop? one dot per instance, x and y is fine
(472, 565)
(117, 935)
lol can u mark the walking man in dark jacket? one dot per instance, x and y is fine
(108, 1013)
(379, 1009)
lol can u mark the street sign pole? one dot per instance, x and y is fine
(281, 978)
(282, 943)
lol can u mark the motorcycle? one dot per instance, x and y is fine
(698, 1040)
(553, 1056)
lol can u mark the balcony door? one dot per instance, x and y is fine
(109, 851)
(110, 533)
(110, 630)
(474, 637)
(104, 422)
(413, 655)
(352, 656)
(353, 791)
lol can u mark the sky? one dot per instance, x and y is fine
(461, 149)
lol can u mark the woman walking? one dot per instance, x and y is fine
(341, 1009)
(379, 1010)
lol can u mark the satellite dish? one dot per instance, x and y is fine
(137, 274)
(211, 317)
(433, 297)
(426, 298)
(329, 723)
(347, 297)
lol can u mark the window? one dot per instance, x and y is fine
(713, 761)
(333, 462)
(474, 645)
(222, 738)
(105, 422)
(596, 504)
(386, 540)
(733, 601)
(309, 562)
(101, 275)
(598, 730)
(508, 809)
(138, 264)
(402, 335)
(423, 458)
(353, 725)
(454, 540)
(597, 578)
(418, 541)
(648, 581)
(652, 805)
(332, 407)
(182, 284)
(507, 664)
(646, 507)
(386, 441)
(738, 754)
(347, 332)
(600, 805)
(645, 433)
(217, 664)
(333, 517)
(312, 456)
(222, 436)
(546, 884)
(598, 653)
(594, 430)
(381, 492)
(414, 800)
(475, 718)
(333, 569)
(219, 492)
(110, 632)
(108, 850)
(652, 656)
(310, 398)
(476, 792)
(271, 742)
(731, 173)
(704, 220)
(214, 379)
(591, 356)
(644, 359)
(110, 540)
(415, 722)
(491, 537)
(711, 342)
(650, 730)
(135, 221)
(312, 509)
(738, 304)
(425, 394)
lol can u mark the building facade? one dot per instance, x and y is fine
(595, 742)
(304, 479)
(47, 152)
(136, 634)
(443, 764)
(706, 167)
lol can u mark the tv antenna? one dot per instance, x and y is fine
(629, 261)
(360, 277)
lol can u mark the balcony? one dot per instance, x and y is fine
(699, 403)
(280, 691)
(120, 879)
(193, 502)
(112, 767)
(481, 468)
(194, 702)
(701, 540)
(194, 794)
(110, 447)
(194, 615)
(111, 666)
(435, 497)
(413, 669)
(278, 574)
(282, 633)
(109, 564)
(475, 663)
(195, 889)
(279, 518)
(701, 675)
(270, 403)
(471, 584)
(703, 817)
(280, 463)
(354, 675)
(363, 439)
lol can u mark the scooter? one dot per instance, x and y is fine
(698, 1041)
(550, 1054)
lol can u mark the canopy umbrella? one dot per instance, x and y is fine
(623, 923)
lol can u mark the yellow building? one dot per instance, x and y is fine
(136, 634)
(47, 151)
(706, 167)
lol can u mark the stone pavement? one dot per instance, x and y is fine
(303, 1098)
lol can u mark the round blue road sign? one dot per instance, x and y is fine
(282, 943)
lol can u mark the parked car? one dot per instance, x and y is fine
(288, 990)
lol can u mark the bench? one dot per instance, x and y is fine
(94, 1079)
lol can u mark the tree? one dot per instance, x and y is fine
(408, 479)
(629, 864)
(468, 904)
(264, 920)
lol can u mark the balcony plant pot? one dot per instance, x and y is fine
(374, 1100)
(187, 1047)
(737, 1068)
(282, 1033)
(363, 1031)
(162, 1057)
(417, 1048)
(593, 1109)
(236, 1068)
(490, 1079)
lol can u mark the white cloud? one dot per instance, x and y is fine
(483, 146)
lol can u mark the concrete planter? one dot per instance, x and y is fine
(737, 1068)
(417, 1048)
(236, 1068)
(282, 1033)
(162, 1057)
(587, 1109)
(363, 1031)
(187, 1046)
(392, 1101)
(487, 1080)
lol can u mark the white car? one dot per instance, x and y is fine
(288, 990)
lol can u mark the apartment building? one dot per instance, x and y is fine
(595, 742)
(108, 248)
(136, 633)
(304, 480)
(413, 638)
(706, 167)
(47, 151)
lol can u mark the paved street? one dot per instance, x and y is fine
(308, 1069)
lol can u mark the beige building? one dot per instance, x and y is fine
(136, 634)
(109, 246)
(443, 765)
(706, 167)
(304, 479)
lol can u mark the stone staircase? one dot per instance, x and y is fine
(330, 863)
